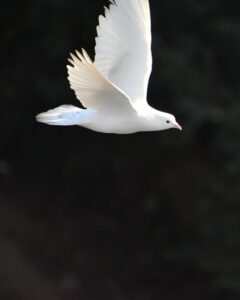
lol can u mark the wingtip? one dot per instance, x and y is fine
(79, 55)
(86, 56)
(70, 61)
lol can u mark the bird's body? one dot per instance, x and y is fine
(120, 123)
(113, 88)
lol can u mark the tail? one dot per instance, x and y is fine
(65, 115)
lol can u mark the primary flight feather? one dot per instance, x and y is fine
(113, 88)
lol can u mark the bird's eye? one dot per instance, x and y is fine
(167, 121)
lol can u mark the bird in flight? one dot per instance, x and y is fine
(113, 88)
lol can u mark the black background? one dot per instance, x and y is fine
(89, 216)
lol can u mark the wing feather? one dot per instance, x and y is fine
(123, 46)
(94, 90)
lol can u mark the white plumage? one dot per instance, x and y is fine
(113, 88)
(123, 46)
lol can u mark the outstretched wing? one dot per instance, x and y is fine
(123, 46)
(92, 89)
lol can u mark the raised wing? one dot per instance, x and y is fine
(123, 46)
(92, 89)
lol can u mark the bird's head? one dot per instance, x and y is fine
(168, 121)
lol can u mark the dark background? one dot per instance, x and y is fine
(90, 216)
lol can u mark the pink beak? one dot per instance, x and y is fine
(178, 126)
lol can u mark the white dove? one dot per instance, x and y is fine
(113, 88)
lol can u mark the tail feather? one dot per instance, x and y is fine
(64, 115)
